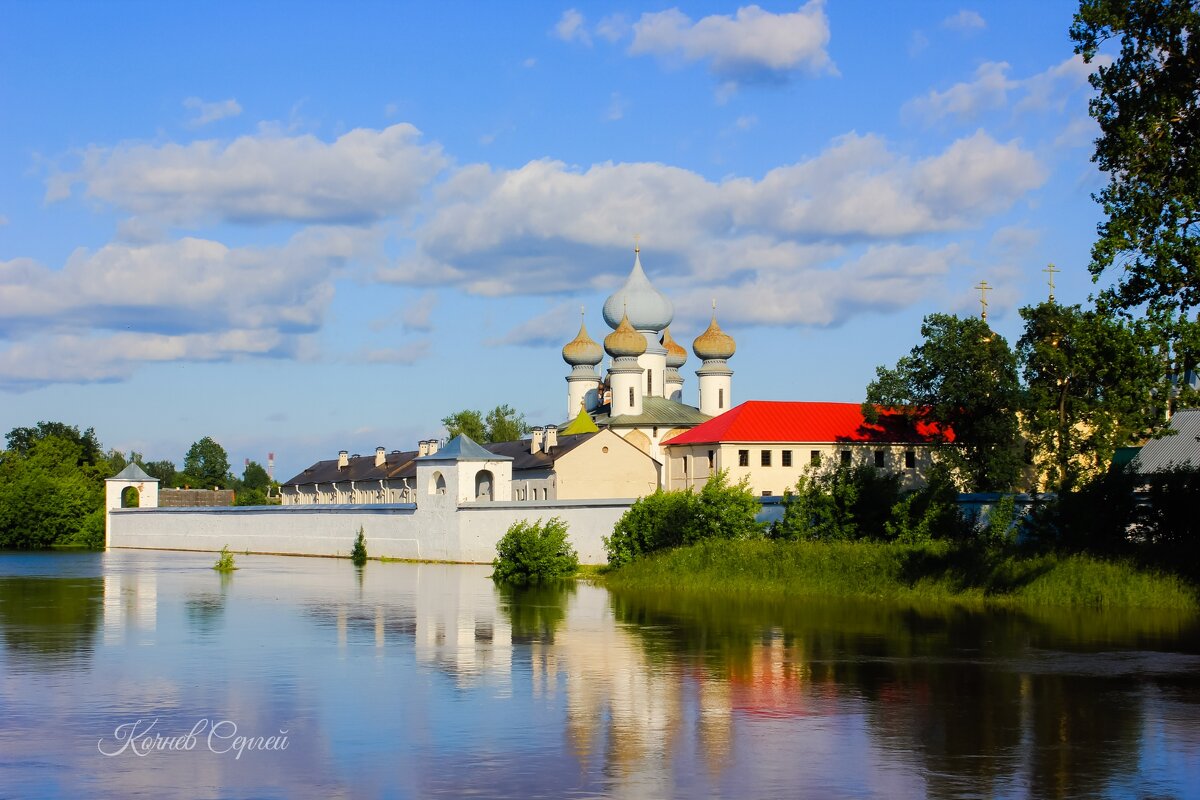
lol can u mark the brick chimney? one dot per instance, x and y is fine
(343, 459)
(551, 439)
(422, 448)
(380, 456)
(535, 442)
(434, 445)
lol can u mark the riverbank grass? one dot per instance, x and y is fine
(936, 571)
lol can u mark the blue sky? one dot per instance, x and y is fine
(301, 228)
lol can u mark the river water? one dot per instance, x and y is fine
(141, 674)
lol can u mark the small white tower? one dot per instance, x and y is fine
(676, 356)
(625, 375)
(649, 312)
(714, 347)
(583, 384)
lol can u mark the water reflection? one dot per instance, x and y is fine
(407, 680)
(49, 623)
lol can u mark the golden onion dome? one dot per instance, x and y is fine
(582, 350)
(676, 355)
(714, 343)
(625, 341)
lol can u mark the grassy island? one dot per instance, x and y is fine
(933, 571)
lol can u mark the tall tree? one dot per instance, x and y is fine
(1148, 108)
(963, 375)
(504, 424)
(1089, 380)
(466, 422)
(22, 440)
(163, 470)
(206, 465)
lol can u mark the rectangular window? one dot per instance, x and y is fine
(785, 458)
(649, 383)
(878, 459)
(743, 458)
(712, 460)
(631, 396)
(910, 459)
(720, 398)
(845, 458)
(814, 458)
(766, 493)
(765, 456)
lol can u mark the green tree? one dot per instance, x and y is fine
(504, 424)
(1148, 109)
(467, 423)
(207, 464)
(48, 497)
(163, 470)
(1088, 384)
(839, 503)
(964, 376)
(670, 519)
(255, 477)
(22, 440)
(534, 553)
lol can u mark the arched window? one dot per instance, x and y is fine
(437, 483)
(483, 485)
(130, 497)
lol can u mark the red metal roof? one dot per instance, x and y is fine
(779, 421)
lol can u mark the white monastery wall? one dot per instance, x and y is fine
(435, 531)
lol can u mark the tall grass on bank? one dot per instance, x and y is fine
(931, 571)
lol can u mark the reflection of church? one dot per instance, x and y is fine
(641, 397)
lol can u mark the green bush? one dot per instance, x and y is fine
(358, 553)
(669, 519)
(839, 503)
(928, 513)
(225, 561)
(534, 553)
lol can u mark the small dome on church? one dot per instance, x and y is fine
(582, 350)
(676, 355)
(714, 343)
(648, 309)
(625, 341)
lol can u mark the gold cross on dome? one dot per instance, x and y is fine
(983, 303)
(637, 247)
(1050, 270)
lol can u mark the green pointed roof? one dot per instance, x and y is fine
(581, 424)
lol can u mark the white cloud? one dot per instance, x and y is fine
(190, 299)
(405, 354)
(547, 228)
(571, 28)
(616, 107)
(992, 89)
(917, 42)
(542, 330)
(206, 112)
(988, 91)
(418, 316)
(752, 46)
(361, 176)
(746, 122)
(529, 63)
(613, 28)
(964, 20)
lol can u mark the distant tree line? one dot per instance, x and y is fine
(52, 483)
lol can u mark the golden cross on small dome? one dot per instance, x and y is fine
(983, 303)
(1050, 270)
(636, 247)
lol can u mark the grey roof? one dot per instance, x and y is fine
(132, 472)
(397, 464)
(655, 411)
(463, 448)
(522, 459)
(1180, 448)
